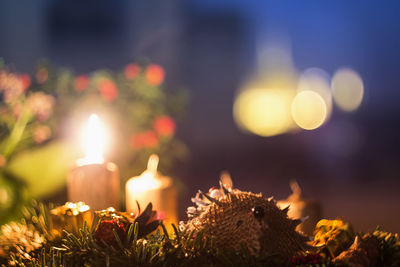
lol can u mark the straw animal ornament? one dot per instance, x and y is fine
(234, 219)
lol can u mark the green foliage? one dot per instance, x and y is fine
(389, 247)
(12, 197)
(31, 243)
(49, 162)
(158, 249)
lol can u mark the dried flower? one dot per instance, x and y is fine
(25, 80)
(108, 90)
(3, 160)
(81, 83)
(131, 71)
(155, 74)
(336, 235)
(17, 109)
(41, 133)
(42, 75)
(164, 126)
(11, 95)
(147, 139)
(11, 85)
(41, 105)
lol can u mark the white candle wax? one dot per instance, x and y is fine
(154, 188)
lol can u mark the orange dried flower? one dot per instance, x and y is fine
(155, 74)
(81, 83)
(131, 71)
(41, 105)
(42, 75)
(25, 81)
(108, 90)
(164, 126)
(147, 139)
(41, 133)
(3, 161)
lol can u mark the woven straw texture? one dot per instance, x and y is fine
(231, 221)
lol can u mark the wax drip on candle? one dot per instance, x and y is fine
(149, 178)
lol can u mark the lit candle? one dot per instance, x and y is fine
(301, 208)
(93, 180)
(152, 187)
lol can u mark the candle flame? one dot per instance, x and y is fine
(93, 141)
(148, 180)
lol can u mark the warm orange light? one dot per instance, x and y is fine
(263, 105)
(148, 179)
(93, 141)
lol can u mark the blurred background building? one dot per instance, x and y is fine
(216, 49)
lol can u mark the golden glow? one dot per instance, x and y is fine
(262, 111)
(93, 141)
(317, 80)
(308, 110)
(77, 208)
(145, 182)
(348, 89)
(148, 179)
(263, 106)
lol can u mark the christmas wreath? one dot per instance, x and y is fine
(227, 227)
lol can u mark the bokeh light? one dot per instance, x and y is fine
(264, 111)
(278, 100)
(348, 89)
(263, 106)
(317, 80)
(308, 110)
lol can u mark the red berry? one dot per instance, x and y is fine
(104, 232)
